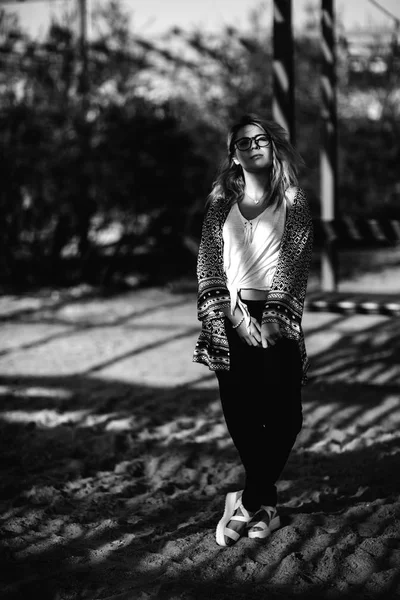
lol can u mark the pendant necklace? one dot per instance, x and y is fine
(254, 199)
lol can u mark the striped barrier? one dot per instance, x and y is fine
(345, 303)
(357, 230)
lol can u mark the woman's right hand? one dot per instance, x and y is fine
(251, 336)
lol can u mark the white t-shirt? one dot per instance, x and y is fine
(251, 250)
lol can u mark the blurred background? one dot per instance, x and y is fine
(115, 456)
(113, 118)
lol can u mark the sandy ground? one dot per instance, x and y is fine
(116, 459)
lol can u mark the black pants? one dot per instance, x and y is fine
(261, 401)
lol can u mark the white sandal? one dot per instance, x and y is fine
(233, 501)
(264, 528)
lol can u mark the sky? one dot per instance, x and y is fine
(153, 17)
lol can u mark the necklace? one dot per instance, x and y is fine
(255, 200)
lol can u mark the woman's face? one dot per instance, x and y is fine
(257, 156)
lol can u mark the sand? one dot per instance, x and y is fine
(116, 458)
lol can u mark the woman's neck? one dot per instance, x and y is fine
(256, 186)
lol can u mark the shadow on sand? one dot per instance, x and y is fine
(112, 489)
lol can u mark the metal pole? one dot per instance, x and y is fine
(328, 153)
(283, 80)
(83, 25)
(85, 206)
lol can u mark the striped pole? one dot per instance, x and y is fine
(328, 152)
(283, 97)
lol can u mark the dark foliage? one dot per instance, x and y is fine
(106, 167)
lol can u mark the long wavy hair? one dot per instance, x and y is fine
(229, 183)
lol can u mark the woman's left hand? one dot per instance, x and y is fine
(255, 330)
(270, 334)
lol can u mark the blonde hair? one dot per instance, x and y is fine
(229, 183)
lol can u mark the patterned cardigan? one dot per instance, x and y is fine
(285, 299)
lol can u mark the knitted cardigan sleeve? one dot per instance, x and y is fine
(213, 294)
(285, 300)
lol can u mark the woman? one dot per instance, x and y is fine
(252, 270)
